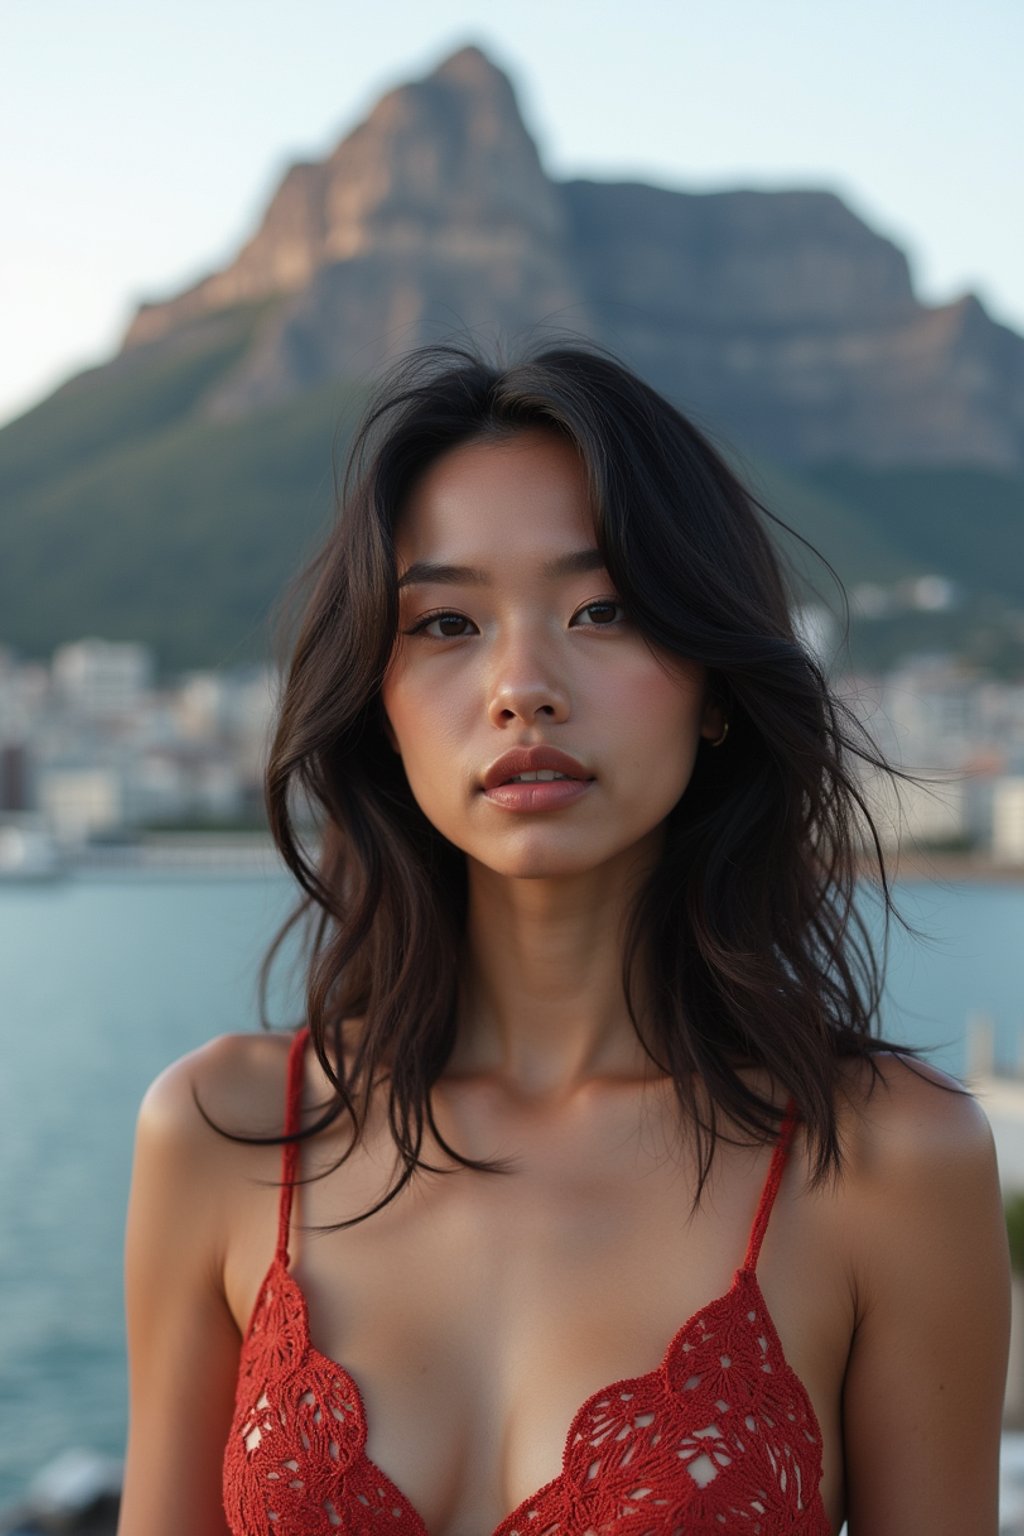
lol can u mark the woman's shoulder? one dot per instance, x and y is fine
(921, 1240)
(919, 1174)
(187, 1174)
(235, 1081)
(900, 1115)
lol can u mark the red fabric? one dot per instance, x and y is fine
(721, 1437)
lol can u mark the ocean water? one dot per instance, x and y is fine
(104, 980)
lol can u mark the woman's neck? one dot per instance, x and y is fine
(542, 1005)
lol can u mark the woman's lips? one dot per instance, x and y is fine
(538, 795)
(533, 760)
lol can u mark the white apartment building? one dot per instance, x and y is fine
(1008, 820)
(103, 679)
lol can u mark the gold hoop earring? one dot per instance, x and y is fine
(720, 741)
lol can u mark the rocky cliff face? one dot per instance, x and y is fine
(433, 216)
(779, 319)
(782, 319)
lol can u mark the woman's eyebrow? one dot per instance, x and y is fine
(576, 563)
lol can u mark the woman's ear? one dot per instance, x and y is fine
(714, 720)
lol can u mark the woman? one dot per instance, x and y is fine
(710, 1256)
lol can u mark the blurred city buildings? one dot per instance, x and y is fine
(95, 751)
(959, 736)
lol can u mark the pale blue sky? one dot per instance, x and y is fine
(141, 138)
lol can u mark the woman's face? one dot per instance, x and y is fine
(510, 644)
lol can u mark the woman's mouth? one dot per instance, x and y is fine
(538, 778)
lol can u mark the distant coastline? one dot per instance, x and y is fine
(219, 850)
(256, 850)
(944, 865)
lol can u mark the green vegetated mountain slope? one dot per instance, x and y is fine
(836, 532)
(967, 524)
(165, 527)
(128, 514)
(129, 400)
(964, 524)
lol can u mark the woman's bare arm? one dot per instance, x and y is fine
(183, 1344)
(924, 1387)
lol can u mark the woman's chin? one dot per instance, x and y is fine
(548, 863)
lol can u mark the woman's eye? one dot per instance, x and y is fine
(424, 626)
(445, 625)
(602, 614)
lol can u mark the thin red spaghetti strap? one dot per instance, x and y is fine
(771, 1187)
(290, 1149)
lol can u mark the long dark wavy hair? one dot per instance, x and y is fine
(746, 935)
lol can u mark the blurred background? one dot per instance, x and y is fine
(803, 224)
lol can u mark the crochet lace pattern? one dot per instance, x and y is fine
(720, 1437)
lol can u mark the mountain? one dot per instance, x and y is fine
(778, 316)
(433, 215)
(169, 493)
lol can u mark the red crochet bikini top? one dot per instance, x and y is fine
(719, 1438)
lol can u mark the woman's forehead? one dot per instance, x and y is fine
(491, 499)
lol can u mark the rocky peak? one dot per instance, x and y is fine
(470, 66)
(451, 148)
(441, 166)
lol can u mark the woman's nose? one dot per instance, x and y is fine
(523, 687)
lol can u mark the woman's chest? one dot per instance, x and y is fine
(480, 1317)
(721, 1434)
